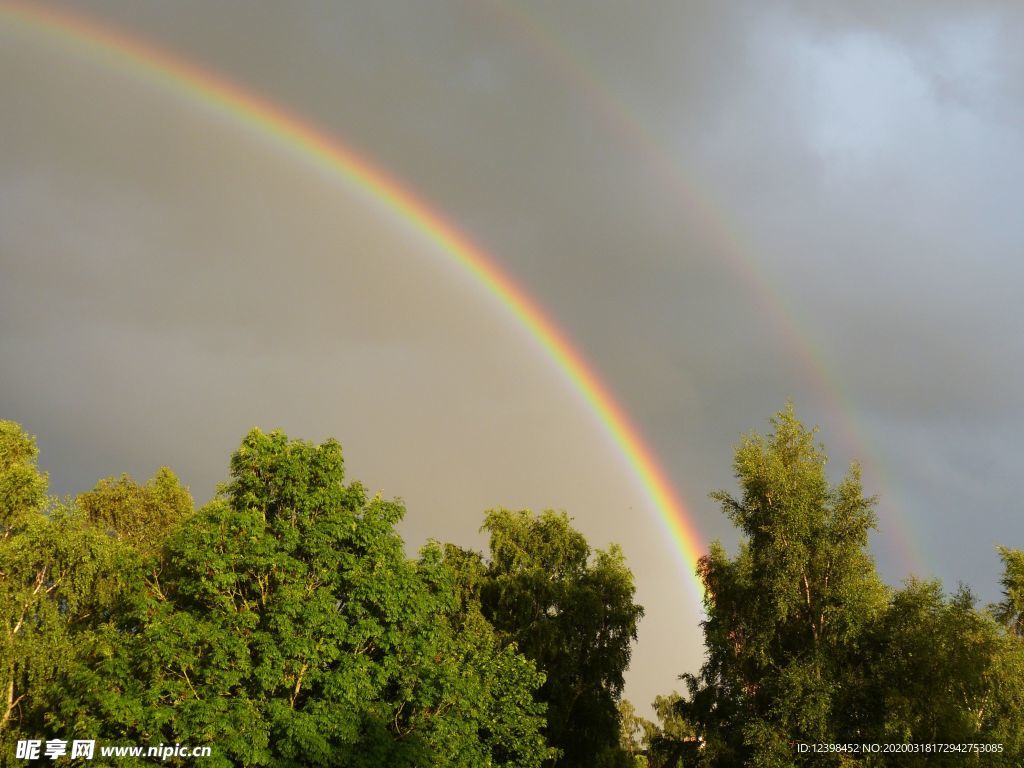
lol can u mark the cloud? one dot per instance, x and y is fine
(716, 203)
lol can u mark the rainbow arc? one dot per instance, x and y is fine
(200, 85)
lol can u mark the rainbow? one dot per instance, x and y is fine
(565, 64)
(327, 152)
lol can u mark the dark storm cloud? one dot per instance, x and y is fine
(668, 179)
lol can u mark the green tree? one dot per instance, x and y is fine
(938, 670)
(490, 710)
(573, 614)
(805, 644)
(785, 615)
(58, 584)
(143, 516)
(634, 733)
(1005, 714)
(668, 743)
(673, 740)
(290, 629)
(24, 570)
(1011, 610)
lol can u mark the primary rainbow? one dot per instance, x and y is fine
(329, 153)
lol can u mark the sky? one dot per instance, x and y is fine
(723, 206)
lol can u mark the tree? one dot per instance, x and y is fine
(290, 629)
(668, 743)
(23, 571)
(672, 741)
(805, 645)
(141, 515)
(1006, 676)
(1011, 610)
(785, 615)
(938, 670)
(491, 711)
(634, 734)
(58, 583)
(573, 615)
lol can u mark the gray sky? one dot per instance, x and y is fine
(724, 205)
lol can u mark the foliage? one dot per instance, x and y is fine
(634, 733)
(290, 629)
(58, 584)
(669, 743)
(22, 499)
(490, 701)
(571, 613)
(1011, 610)
(805, 645)
(24, 572)
(673, 741)
(936, 672)
(283, 624)
(141, 515)
(784, 615)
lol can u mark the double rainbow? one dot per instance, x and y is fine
(562, 62)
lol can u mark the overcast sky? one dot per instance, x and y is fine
(724, 205)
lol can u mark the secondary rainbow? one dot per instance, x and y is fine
(328, 152)
(735, 250)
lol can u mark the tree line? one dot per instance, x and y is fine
(812, 660)
(284, 624)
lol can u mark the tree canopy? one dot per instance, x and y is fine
(283, 623)
(805, 645)
(291, 629)
(572, 612)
